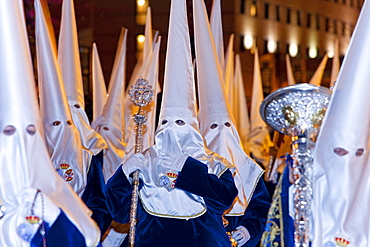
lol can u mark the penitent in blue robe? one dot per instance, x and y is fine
(206, 230)
(61, 234)
(94, 194)
(279, 230)
(255, 216)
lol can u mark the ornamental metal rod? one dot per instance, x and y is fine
(141, 94)
(302, 189)
(298, 111)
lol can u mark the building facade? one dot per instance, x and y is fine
(305, 30)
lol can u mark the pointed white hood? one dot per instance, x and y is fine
(151, 108)
(178, 132)
(178, 101)
(342, 166)
(241, 114)
(335, 64)
(229, 71)
(24, 160)
(62, 137)
(317, 76)
(217, 124)
(148, 42)
(289, 71)
(69, 60)
(109, 124)
(260, 140)
(217, 32)
(99, 88)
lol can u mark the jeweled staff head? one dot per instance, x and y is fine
(141, 92)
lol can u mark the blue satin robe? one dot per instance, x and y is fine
(94, 195)
(61, 234)
(204, 231)
(255, 216)
(279, 229)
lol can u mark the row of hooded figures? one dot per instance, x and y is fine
(188, 194)
(196, 184)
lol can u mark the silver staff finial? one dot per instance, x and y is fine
(298, 111)
(141, 92)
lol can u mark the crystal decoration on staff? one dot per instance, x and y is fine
(141, 94)
(298, 111)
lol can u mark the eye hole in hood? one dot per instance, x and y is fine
(9, 130)
(180, 122)
(340, 151)
(56, 123)
(31, 129)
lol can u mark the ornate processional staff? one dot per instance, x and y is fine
(141, 94)
(298, 111)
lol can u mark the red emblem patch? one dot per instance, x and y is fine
(65, 172)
